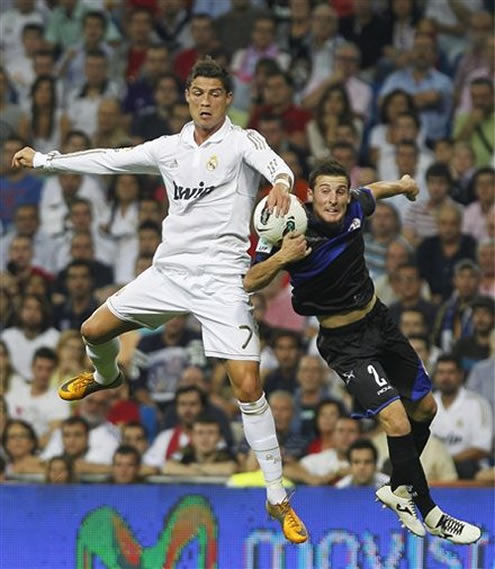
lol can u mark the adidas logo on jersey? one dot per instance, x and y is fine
(181, 193)
(356, 224)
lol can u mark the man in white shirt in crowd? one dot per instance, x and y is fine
(36, 402)
(362, 456)
(464, 421)
(211, 170)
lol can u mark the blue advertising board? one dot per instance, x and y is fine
(212, 527)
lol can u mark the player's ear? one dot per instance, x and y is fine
(186, 95)
(310, 195)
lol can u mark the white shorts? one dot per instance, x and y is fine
(220, 303)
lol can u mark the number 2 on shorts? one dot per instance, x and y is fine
(379, 380)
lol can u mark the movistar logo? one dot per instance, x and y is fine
(181, 193)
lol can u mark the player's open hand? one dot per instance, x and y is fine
(294, 247)
(279, 200)
(410, 187)
(23, 158)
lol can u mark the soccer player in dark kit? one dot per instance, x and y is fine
(358, 338)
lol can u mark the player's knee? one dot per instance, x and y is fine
(429, 409)
(394, 420)
(90, 331)
(249, 389)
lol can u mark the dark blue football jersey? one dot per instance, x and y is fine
(334, 278)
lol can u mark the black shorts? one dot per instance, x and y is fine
(375, 360)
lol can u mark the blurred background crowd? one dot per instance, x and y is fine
(386, 87)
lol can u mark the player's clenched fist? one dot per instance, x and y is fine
(410, 187)
(294, 247)
(23, 158)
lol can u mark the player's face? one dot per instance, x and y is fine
(208, 102)
(362, 466)
(331, 197)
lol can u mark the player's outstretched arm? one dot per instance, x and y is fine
(141, 159)
(406, 186)
(294, 248)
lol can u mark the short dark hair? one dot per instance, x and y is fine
(439, 170)
(482, 81)
(45, 354)
(95, 15)
(410, 143)
(151, 225)
(328, 168)
(79, 201)
(136, 425)
(206, 418)
(413, 116)
(79, 133)
(208, 67)
(282, 333)
(191, 389)
(281, 73)
(80, 263)
(77, 420)
(127, 450)
(387, 100)
(449, 358)
(96, 53)
(485, 170)
(363, 444)
(421, 338)
(32, 27)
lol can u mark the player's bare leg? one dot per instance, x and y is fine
(421, 414)
(259, 429)
(99, 332)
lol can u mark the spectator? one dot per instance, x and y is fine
(462, 169)
(189, 402)
(482, 377)
(412, 322)
(476, 214)
(11, 113)
(80, 302)
(18, 187)
(432, 90)
(71, 357)
(36, 402)
(126, 464)
(327, 413)
(20, 263)
(464, 420)
(87, 438)
(149, 237)
(454, 317)
(420, 218)
(21, 444)
(486, 262)
(110, 131)
(27, 224)
(83, 101)
(384, 229)
(427, 353)
(13, 21)
(310, 392)
(438, 255)
(152, 122)
(234, 27)
(287, 351)
(202, 457)
(59, 470)
(362, 456)
(204, 43)
(292, 445)
(134, 434)
(476, 347)
(387, 285)
(166, 354)
(10, 381)
(279, 101)
(58, 194)
(328, 466)
(139, 96)
(32, 332)
(478, 125)
(139, 38)
(9, 300)
(244, 61)
(172, 24)
(367, 30)
(20, 65)
(410, 287)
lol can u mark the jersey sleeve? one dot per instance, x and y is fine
(366, 199)
(141, 159)
(264, 250)
(262, 158)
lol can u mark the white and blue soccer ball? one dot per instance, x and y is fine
(273, 229)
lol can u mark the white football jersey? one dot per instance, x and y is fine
(211, 189)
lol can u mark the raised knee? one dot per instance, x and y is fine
(249, 389)
(89, 331)
(430, 409)
(394, 420)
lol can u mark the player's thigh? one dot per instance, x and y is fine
(225, 313)
(103, 326)
(150, 299)
(423, 410)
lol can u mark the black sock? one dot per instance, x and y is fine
(420, 433)
(407, 470)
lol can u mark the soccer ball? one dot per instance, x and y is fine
(273, 229)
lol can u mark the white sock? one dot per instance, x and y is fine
(104, 359)
(259, 430)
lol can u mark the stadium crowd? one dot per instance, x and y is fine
(386, 87)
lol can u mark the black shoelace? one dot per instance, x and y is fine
(450, 525)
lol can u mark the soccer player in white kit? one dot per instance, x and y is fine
(211, 170)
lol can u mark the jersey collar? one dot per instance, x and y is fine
(187, 133)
